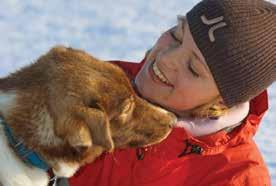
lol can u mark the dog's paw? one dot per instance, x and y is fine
(17, 180)
(39, 177)
(65, 170)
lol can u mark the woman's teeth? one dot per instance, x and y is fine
(159, 74)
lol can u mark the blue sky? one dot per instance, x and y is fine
(121, 29)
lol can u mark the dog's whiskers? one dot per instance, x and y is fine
(114, 158)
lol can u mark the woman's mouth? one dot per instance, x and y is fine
(157, 75)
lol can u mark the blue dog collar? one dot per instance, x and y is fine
(29, 156)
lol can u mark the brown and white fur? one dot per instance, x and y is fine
(69, 108)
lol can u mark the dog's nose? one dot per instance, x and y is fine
(172, 124)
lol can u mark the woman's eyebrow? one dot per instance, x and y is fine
(182, 20)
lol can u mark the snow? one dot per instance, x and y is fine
(121, 29)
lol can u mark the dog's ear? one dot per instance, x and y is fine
(80, 137)
(98, 123)
(75, 131)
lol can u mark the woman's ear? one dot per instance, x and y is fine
(220, 101)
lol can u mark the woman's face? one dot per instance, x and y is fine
(175, 74)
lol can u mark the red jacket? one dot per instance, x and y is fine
(182, 160)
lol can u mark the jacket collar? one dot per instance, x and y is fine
(216, 143)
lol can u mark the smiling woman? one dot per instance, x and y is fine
(175, 74)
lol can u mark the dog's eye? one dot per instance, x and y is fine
(128, 106)
(94, 104)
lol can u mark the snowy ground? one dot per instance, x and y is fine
(122, 30)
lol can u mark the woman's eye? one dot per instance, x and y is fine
(192, 70)
(174, 37)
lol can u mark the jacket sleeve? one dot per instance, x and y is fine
(244, 167)
(253, 175)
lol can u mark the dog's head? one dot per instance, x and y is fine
(75, 107)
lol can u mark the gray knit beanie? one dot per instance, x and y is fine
(238, 40)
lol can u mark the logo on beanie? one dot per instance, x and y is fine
(216, 24)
